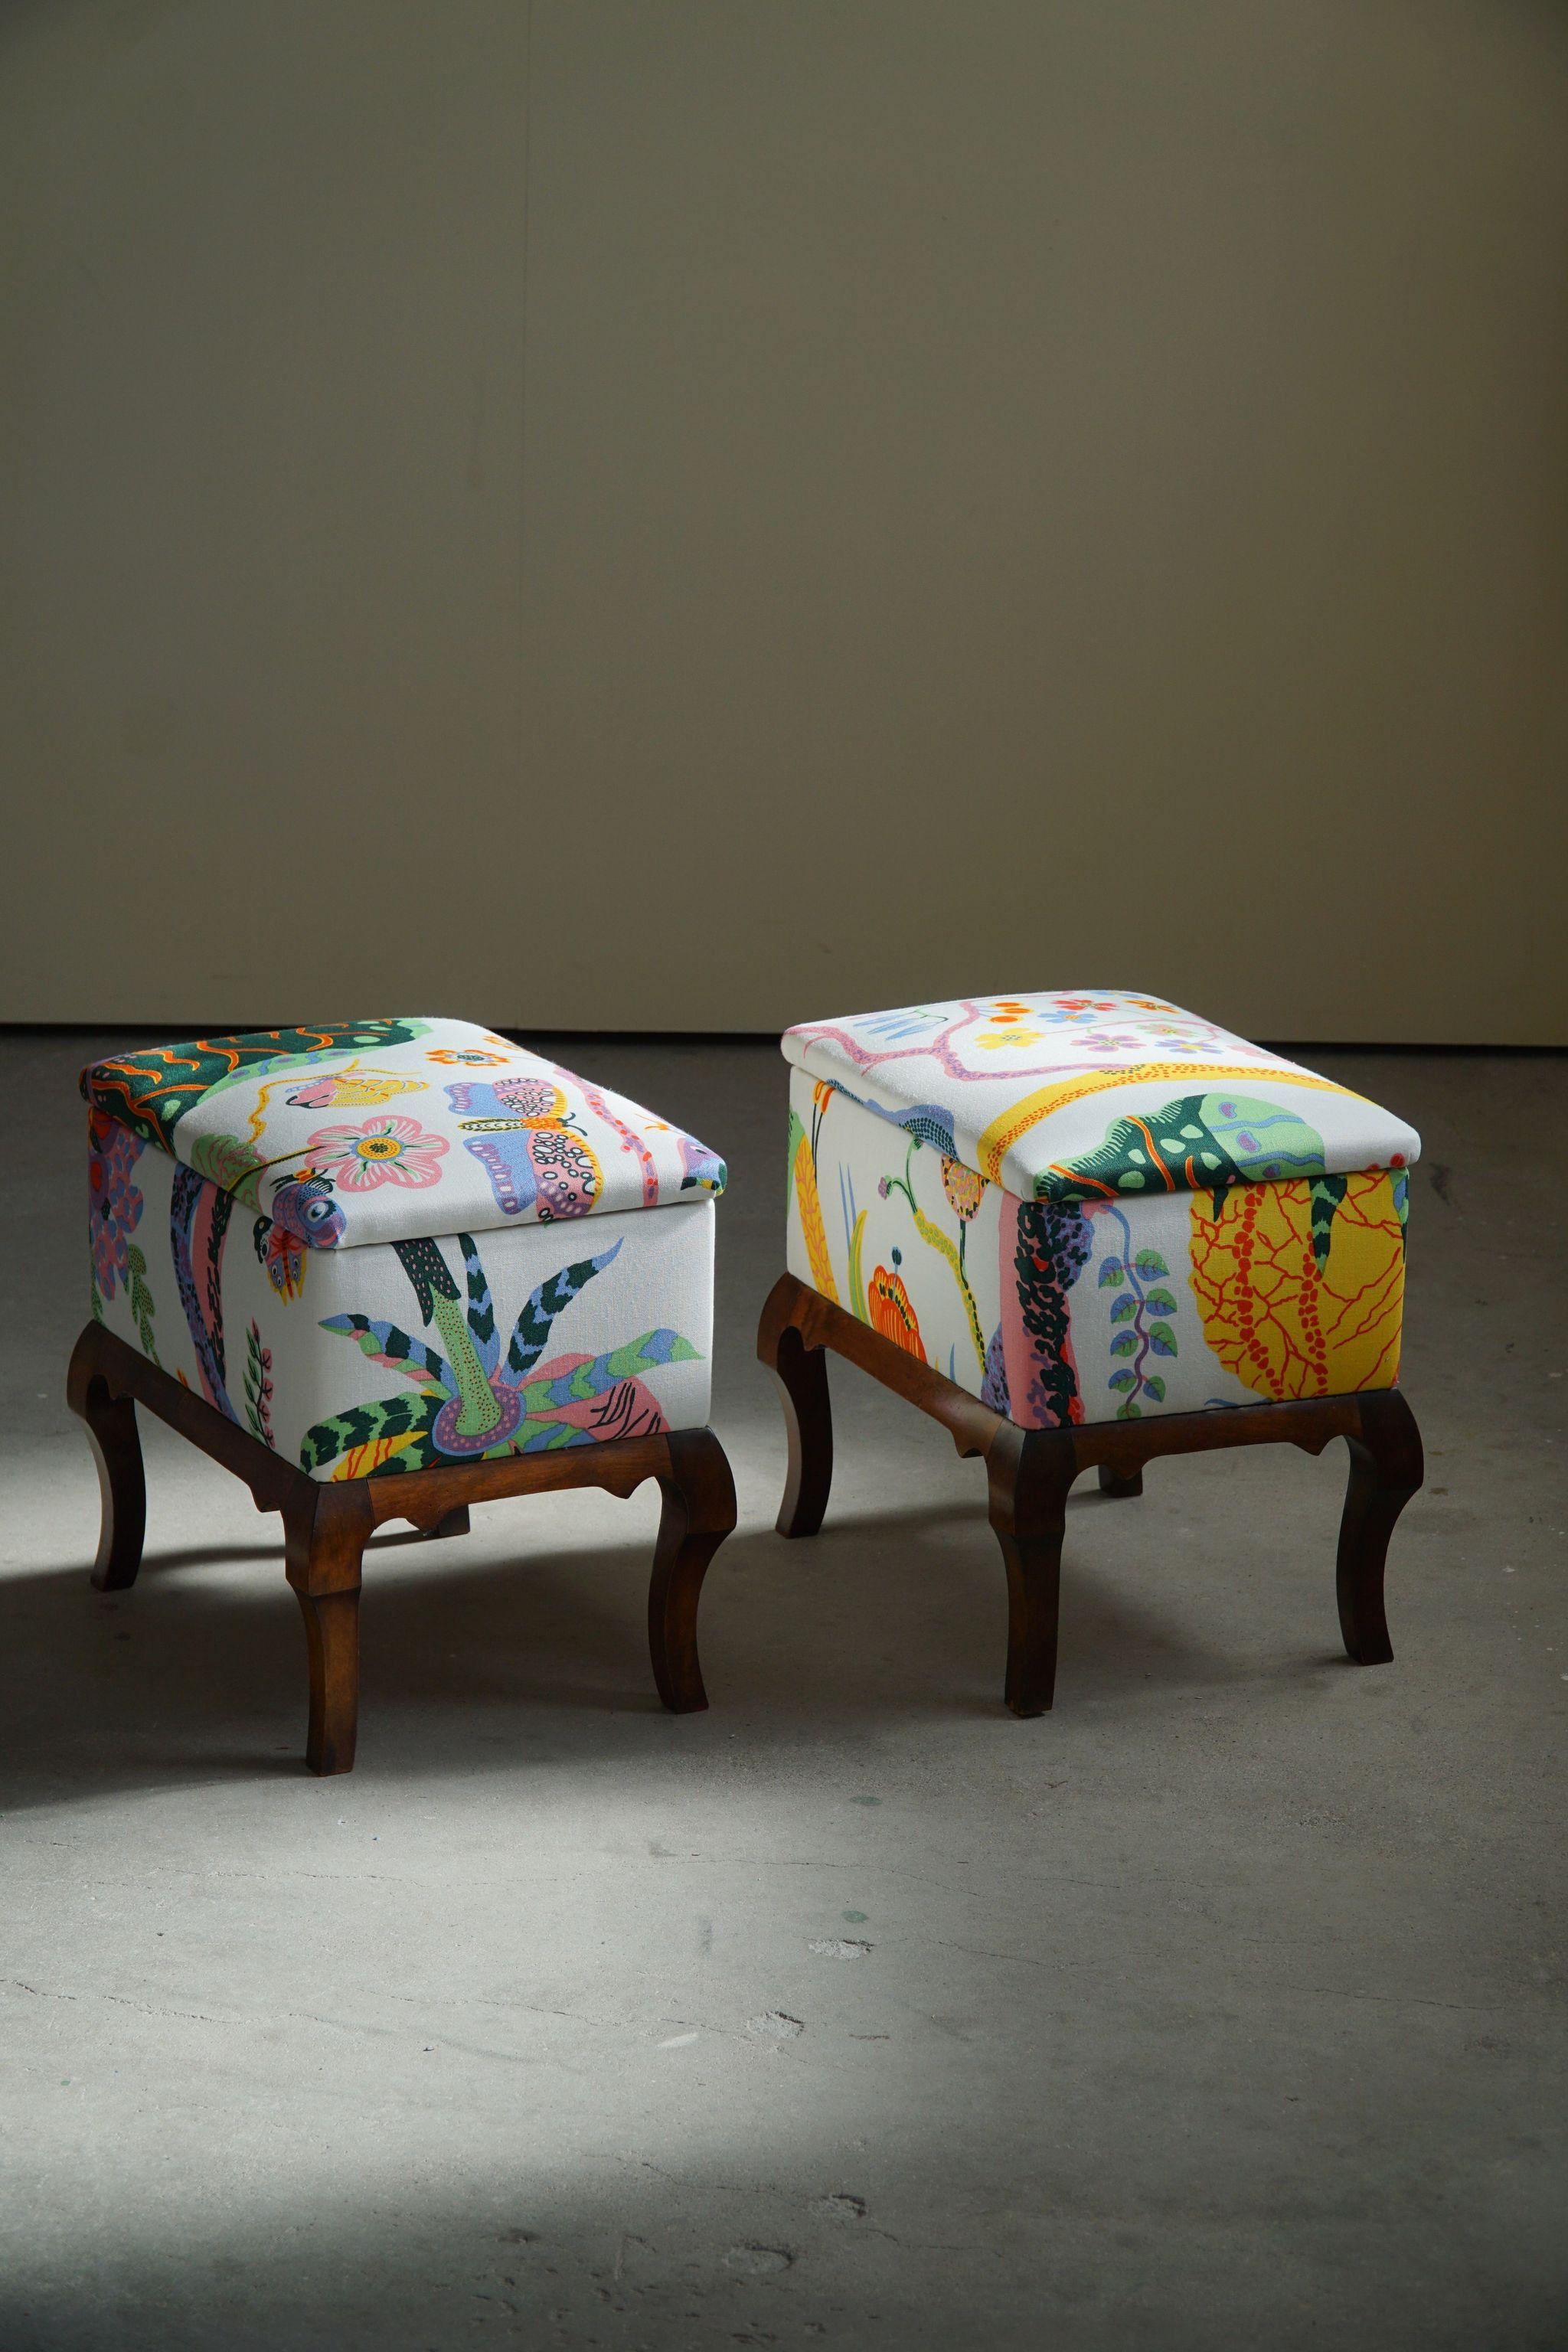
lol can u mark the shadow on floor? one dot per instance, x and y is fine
(472, 1656)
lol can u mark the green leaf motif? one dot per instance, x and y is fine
(1122, 1380)
(481, 1309)
(543, 1304)
(1110, 1272)
(1327, 1193)
(391, 1417)
(598, 1375)
(539, 1437)
(258, 1382)
(1162, 1339)
(1124, 1308)
(1161, 1301)
(1130, 1412)
(1155, 1387)
(1125, 1343)
(1149, 1262)
(140, 1298)
(231, 1164)
(388, 1345)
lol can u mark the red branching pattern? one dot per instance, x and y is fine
(1284, 1328)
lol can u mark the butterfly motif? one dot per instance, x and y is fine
(522, 1137)
(282, 1256)
(353, 1085)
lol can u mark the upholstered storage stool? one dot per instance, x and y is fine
(385, 1269)
(1082, 1231)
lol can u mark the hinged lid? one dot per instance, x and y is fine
(387, 1130)
(1096, 1095)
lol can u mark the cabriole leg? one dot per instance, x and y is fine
(1387, 1469)
(802, 1375)
(111, 1423)
(698, 1513)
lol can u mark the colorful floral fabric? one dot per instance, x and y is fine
(379, 1132)
(1097, 1097)
(1089, 1304)
(398, 1355)
(114, 1205)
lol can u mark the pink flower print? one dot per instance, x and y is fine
(387, 1150)
(114, 1204)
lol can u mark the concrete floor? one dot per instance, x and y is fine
(1216, 2009)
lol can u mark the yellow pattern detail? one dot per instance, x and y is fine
(941, 1241)
(353, 1087)
(1018, 1117)
(361, 1461)
(810, 1205)
(1282, 1328)
(857, 1306)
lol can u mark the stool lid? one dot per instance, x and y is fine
(1097, 1094)
(363, 1131)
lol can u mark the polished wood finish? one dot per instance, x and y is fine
(1028, 1473)
(801, 1370)
(698, 1513)
(1387, 1469)
(324, 1536)
(326, 1523)
(117, 1448)
(1030, 1470)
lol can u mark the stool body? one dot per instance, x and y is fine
(389, 1257)
(1083, 1210)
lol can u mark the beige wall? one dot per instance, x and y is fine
(708, 512)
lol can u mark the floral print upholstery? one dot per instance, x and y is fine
(1176, 1238)
(1098, 1095)
(384, 1130)
(389, 1245)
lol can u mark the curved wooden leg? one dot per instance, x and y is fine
(1117, 1487)
(1386, 1468)
(698, 1513)
(325, 1528)
(111, 1423)
(802, 1375)
(1030, 1472)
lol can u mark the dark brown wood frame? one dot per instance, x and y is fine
(326, 1524)
(1029, 1471)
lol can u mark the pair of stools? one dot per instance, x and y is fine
(386, 1269)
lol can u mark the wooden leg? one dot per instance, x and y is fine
(111, 1423)
(1030, 1472)
(1387, 1469)
(698, 1513)
(1111, 1484)
(802, 1375)
(325, 1528)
